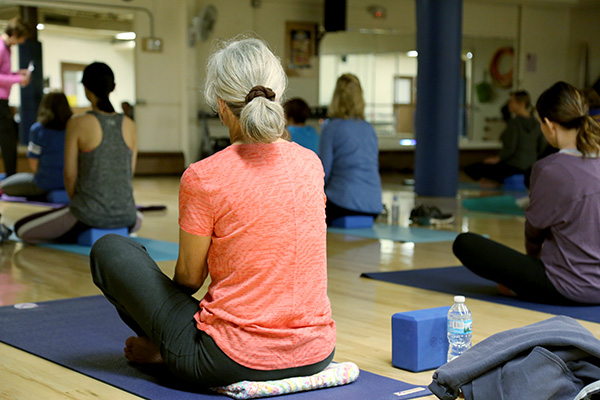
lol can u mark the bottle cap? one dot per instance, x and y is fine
(459, 299)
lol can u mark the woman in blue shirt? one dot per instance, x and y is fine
(350, 154)
(45, 152)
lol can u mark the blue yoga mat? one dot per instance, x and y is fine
(461, 281)
(398, 233)
(86, 335)
(501, 189)
(159, 250)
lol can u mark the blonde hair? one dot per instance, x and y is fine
(232, 71)
(347, 101)
(17, 27)
(565, 105)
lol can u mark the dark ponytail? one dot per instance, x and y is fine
(105, 105)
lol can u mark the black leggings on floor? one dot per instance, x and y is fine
(8, 139)
(152, 305)
(496, 172)
(521, 273)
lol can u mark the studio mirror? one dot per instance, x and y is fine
(386, 64)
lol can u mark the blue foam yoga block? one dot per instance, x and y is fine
(353, 221)
(419, 339)
(515, 182)
(58, 196)
(88, 237)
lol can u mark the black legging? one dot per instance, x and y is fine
(521, 273)
(8, 139)
(152, 305)
(496, 172)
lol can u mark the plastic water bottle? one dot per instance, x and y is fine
(395, 211)
(460, 328)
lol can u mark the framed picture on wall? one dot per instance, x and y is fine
(300, 44)
(71, 74)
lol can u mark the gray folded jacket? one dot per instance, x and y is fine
(552, 359)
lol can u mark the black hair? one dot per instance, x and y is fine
(99, 79)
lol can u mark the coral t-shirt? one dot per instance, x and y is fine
(263, 204)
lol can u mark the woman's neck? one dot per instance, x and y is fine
(567, 138)
(96, 109)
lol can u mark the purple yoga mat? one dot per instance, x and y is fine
(86, 335)
(14, 199)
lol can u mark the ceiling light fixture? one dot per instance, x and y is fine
(125, 36)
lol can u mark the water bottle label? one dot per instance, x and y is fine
(460, 327)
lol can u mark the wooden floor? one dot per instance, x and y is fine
(362, 308)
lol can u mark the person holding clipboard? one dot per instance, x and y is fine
(16, 32)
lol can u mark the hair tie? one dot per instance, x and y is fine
(260, 91)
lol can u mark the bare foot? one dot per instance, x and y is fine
(506, 291)
(142, 350)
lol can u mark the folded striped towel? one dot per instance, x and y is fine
(334, 375)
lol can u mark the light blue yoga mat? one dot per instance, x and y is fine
(159, 250)
(398, 233)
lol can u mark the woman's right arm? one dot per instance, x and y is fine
(71, 154)
(191, 269)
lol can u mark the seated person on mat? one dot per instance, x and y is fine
(522, 142)
(593, 100)
(100, 156)
(350, 154)
(296, 114)
(561, 229)
(46, 151)
(253, 217)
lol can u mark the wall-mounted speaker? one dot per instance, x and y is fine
(334, 15)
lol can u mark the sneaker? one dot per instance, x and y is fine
(5, 232)
(429, 215)
(383, 216)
